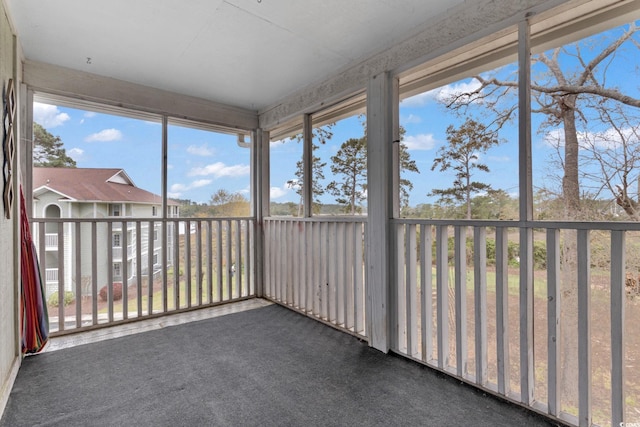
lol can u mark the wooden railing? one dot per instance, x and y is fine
(317, 266)
(212, 262)
(538, 315)
(541, 313)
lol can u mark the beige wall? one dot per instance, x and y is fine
(9, 352)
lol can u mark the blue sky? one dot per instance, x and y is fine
(201, 162)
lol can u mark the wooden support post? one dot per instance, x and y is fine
(382, 97)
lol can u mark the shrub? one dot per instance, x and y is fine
(69, 297)
(117, 292)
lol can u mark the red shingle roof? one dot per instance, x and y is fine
(93, 184)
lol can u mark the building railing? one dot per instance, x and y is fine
(51, 241)
(51, 275)
(211, 264)
(317, 266)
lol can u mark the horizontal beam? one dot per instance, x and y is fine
(92, 88)
(458, 26)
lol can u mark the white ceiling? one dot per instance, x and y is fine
(244, 53)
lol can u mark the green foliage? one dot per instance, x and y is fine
(406, 165)
(48, 150)
(461, 154)
(350, 163)
(320, 136)
(69, 298)
(227, 204)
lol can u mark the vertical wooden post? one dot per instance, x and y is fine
(382, 97)
(260, 209)
(526, 215)
(307, 159)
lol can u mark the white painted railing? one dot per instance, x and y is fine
(51, 242)
(212, 264)
(498, 320)
(316, 266)
(51, 275)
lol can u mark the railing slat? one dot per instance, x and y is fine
(61, 274)
(584, 329)
(358, 285)
(340, 271)
(526, 316)
(150, 251)
(237, 265)
(164, 244)
(219, 286)
(78, 250)
(460, 235)
(109, 249)
(442, 290)
(502, 311)
(399, 302)
(198, 262)
(125, 270)
(209, 261)
(94, 273)
(480, 293)
(139, 267)
(426, 288)
(176, 265)
(316, 267)
(348, 277)
(553, 319)
(412, 291)
(618, 298)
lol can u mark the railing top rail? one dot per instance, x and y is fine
(117, 220)
(574, 225)
(332, 218)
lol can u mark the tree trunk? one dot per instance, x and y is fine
(569, 288)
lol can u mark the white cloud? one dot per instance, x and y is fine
(178, 188)
(446, 92)
(610, 139)
(441, 94)
(411, 119)
(277, 192)
(499, 159)
(423, 141)
(48, 116)
(176, 191)
(219, 169)
(87, 115)
(202, 150)
(200, 183)
(281, 142)
(76, 153)
(418, 100)
(105, 135)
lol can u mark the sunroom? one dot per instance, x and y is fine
(451, 186)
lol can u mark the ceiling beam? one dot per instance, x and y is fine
(92, 88)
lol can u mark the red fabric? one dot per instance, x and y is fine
(34, 320)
